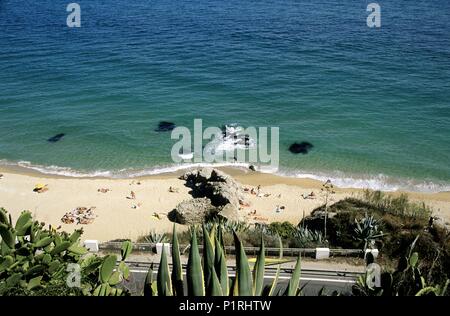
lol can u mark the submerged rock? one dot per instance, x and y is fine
(164, 126)
(56, 138)
(302, 148)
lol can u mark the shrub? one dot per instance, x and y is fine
(285, 229)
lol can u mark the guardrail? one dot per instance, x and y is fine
(287, 252)
(268, 270)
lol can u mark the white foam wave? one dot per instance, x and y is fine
(374, 182)
(231, 139)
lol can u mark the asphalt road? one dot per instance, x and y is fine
(315, 280)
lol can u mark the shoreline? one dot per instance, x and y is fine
(117, 219)
(234, 170)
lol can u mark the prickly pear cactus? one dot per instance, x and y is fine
(33, 258)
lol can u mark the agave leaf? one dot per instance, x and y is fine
(196, 284)
(258, 270)
(214, 288)
(295, 279)
(208, 256)
(148, 286)
(275, 281)
(212, 236)
(220, 267)
(163, 278)
(220, 239)
(243, 285)
(177, 270)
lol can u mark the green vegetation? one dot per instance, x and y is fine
(367, 231)
(35, 260)
(155, 238)
(38, 261)
(211, 278)
(390, 224)
(408, 279)
(250, 235)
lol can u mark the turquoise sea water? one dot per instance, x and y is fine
(375, 103)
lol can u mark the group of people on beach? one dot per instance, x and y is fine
(80, 215)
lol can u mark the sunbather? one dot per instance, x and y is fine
(40, 188)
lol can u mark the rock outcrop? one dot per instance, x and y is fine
(214, 193)
(192, 211)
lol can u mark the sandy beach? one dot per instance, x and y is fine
(118, 216)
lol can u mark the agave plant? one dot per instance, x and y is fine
(367, 230)
(211, 278)
(156, 238)
(305, 236)
(227, 225)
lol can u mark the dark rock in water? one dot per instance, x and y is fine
(56, 138)
(301, 148)
(252, 168)
(164, 126)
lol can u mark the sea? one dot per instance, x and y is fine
(373, 102)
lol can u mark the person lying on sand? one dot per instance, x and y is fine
(156, 216)
(40, 188)
(259, 218)
(310, 196)
(173, 190)
(244, 204)
(80, 215)
(103, 190)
